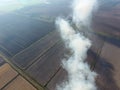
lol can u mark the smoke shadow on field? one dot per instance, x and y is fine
(104, 69)
(115, 40)
(105, 79)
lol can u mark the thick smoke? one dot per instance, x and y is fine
(80, 77)
(82, 11)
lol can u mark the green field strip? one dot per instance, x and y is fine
(107, 35)
(103, 34)
(46, 19)
(34, 18)
(32, 44)
(95, 32)
(23, 74)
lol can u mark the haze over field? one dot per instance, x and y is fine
(11, 5)
(80, 77)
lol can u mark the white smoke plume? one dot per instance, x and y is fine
(82, 11)
(80, 77)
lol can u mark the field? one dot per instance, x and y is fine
(52, 59)
(17, 33)
(29, 41)
(25, 58)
